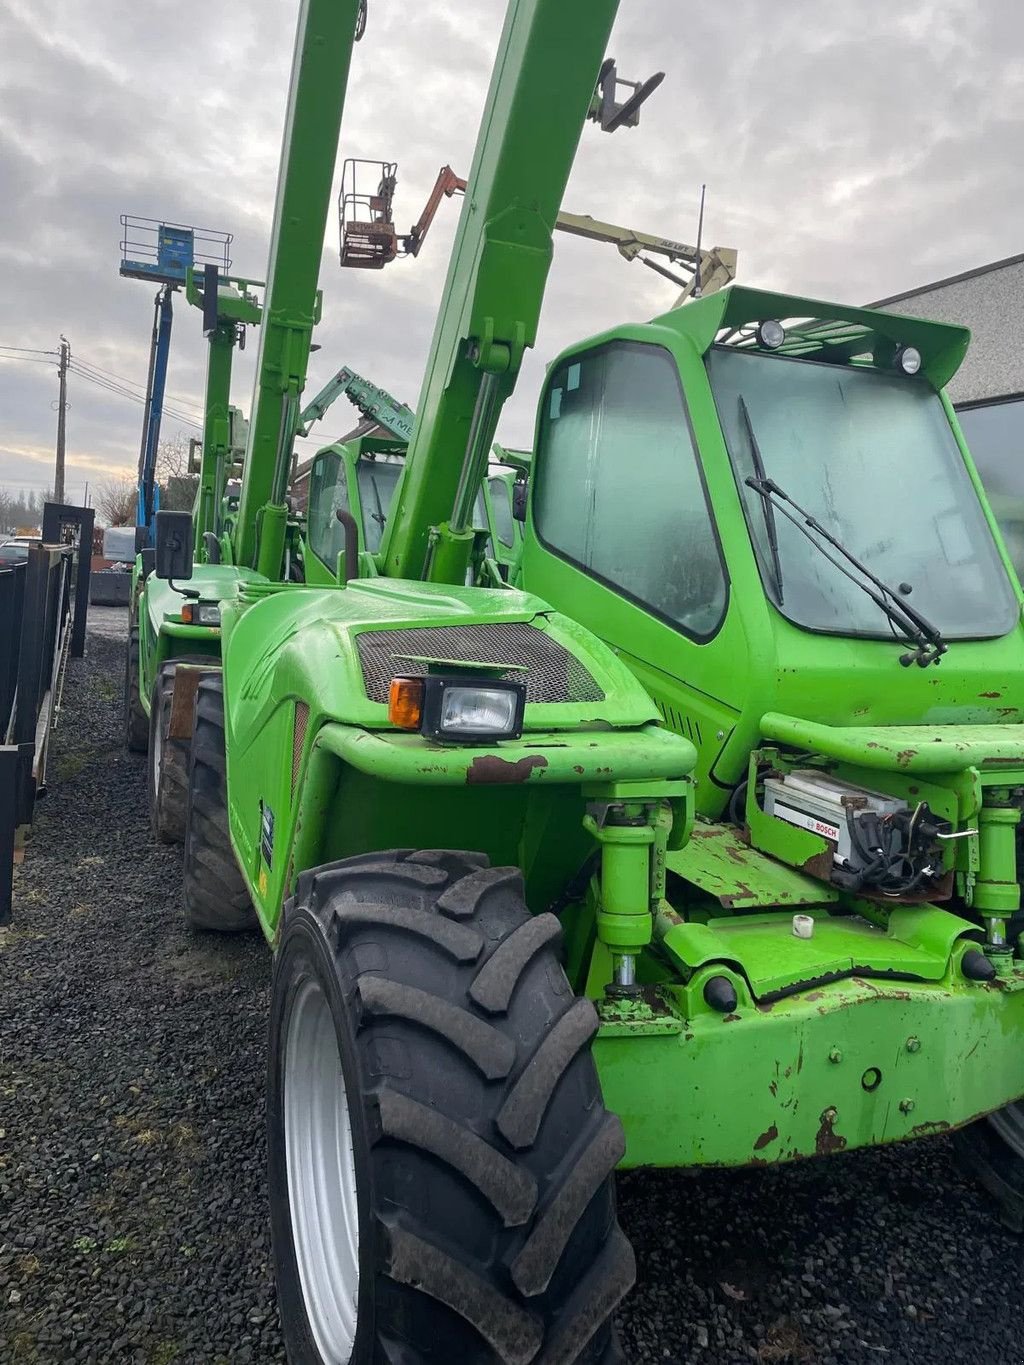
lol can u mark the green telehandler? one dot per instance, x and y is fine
(699, 847)
(360, 476)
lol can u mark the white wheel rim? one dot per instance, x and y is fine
(321, 1175)
(1009, 1124)
(158, 746)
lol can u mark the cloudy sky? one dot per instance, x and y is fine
(851, 151)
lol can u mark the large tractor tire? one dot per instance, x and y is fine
(168, 761)
(136, 726)
(992, 1150)
(440, 1161)
(216, 896)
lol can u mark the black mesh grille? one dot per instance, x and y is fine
(554, 675)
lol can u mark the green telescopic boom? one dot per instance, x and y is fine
(215, 430)
(316, 98)
(541, 93)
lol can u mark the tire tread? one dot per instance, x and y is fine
(216, 896)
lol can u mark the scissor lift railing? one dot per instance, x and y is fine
(154, 250)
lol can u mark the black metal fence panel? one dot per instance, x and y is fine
(43, 606)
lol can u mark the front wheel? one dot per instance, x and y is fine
(136, 725)
(992, 1150)
(168, 761)
(440, 1162)
(216, 896)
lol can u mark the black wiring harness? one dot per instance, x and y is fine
(898, 853)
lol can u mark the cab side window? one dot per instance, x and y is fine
(328, 491)
(619, 489)
(501, 502)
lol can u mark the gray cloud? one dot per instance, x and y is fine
(850, 151)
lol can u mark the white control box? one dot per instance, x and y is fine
(824, 805)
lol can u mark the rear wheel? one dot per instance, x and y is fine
(216, 896)
(136, 725)
(992, 1149)
(440, 1162)
(168, 762)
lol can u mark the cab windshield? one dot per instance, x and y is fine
(377, 480)
(872, 457)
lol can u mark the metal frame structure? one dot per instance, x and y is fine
(43, 608)
(167, 253)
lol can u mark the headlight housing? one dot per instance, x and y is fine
(459, 710)
(201, 613)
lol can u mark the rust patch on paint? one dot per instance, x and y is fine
(769, 1135)
(828, 1140)
(490, 770)
(928, 1129)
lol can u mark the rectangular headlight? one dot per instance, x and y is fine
(207, 614)
(472, 709)
(478, 710)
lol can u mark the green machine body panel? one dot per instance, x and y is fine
(163, 635)
(308, 742)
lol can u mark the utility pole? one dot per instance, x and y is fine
(62, 370)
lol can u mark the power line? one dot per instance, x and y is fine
(111, 374)
(178, 398)
(188, 419)
(127, 390)
(105, 379)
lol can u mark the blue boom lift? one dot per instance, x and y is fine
(162, 252)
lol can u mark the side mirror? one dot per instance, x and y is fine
(148, 560)
(173, 545)
(211, 300)
(520, 490)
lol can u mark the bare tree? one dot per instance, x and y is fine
(172, 458)
(116, 501)
(7, 518)
(177, 485)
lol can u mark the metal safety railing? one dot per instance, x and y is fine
(368, 237)
(43, 605)
(151, 249)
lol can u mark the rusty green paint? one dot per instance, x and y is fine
(648, 1014)
(911, 748)
(712, 1094)
(913, 941)
(722, 863)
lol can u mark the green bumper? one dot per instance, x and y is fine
(648, 753)
(851, 1064)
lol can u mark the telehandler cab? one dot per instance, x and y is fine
(713, 822)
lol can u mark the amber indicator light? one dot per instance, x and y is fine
(405, 703)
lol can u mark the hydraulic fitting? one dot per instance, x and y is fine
(624, 919)
(996, 890)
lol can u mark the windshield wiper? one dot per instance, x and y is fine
(916, 629)
(769, 509)
(377, 516)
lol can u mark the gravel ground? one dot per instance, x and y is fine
(132, 1201)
